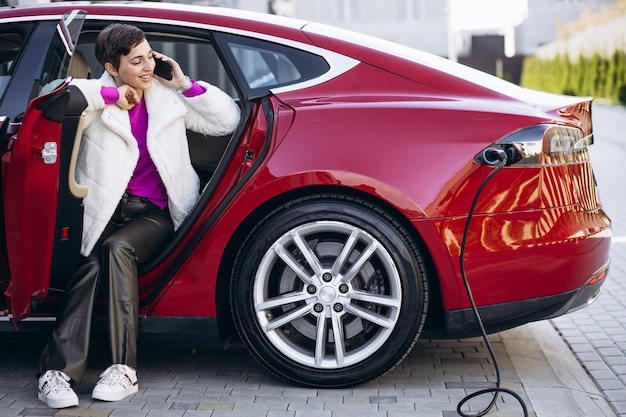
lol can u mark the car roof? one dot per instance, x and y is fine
(216, 17)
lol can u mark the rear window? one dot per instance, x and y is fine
(265, 65)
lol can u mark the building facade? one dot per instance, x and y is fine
(423, 24)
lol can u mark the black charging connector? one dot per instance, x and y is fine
(499, 158)
(495, 154)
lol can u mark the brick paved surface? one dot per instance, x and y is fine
(597, 334)
(183, 382)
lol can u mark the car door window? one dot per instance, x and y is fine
(55, 67)
(12, 40)
(57, 62)
(265, 65)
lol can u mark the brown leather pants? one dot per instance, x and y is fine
(137, 231)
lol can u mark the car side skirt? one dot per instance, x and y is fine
(174, 331)
(204, 331)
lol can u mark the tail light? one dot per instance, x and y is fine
(561, 153)
(547, 144)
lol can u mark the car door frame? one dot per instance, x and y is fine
(43, 211)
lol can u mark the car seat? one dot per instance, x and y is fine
(79, 68)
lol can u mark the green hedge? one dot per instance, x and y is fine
(597, 76)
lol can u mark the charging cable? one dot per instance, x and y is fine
(495, 157)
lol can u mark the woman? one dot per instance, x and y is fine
(134, 159)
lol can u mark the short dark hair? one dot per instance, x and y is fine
(117, 40)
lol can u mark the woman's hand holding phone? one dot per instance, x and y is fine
(168, 71)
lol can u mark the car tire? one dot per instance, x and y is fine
(329, 291)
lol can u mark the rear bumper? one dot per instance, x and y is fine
(463, 323)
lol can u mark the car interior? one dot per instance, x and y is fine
(198, 59)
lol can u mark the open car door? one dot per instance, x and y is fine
(42, 202)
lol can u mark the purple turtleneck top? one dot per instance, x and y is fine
(145, 181)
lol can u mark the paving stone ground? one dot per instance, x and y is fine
(184, 382)
(597, 334)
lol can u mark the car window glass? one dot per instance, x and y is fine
(55, 66)
(265, 65)
(264, 68)
(11, 43)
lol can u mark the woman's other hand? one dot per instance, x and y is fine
(128, 97)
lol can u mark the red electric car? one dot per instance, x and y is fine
(332, 230)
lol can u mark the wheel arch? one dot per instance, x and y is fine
(434, 316)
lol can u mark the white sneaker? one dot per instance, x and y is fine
(116, 382)
(55, 390)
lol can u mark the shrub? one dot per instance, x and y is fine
(621, 95)
(597, 76)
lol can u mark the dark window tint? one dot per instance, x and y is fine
(55, 66)
(59, 56)
(10, 44)
(12, 40)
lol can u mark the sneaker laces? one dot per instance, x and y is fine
(116, 375)
(56, 381)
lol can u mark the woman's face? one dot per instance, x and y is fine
(136, 68)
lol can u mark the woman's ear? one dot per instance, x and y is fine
(110, 69)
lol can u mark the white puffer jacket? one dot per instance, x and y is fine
(109, 152)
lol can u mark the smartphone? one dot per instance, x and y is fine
(163, 69)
